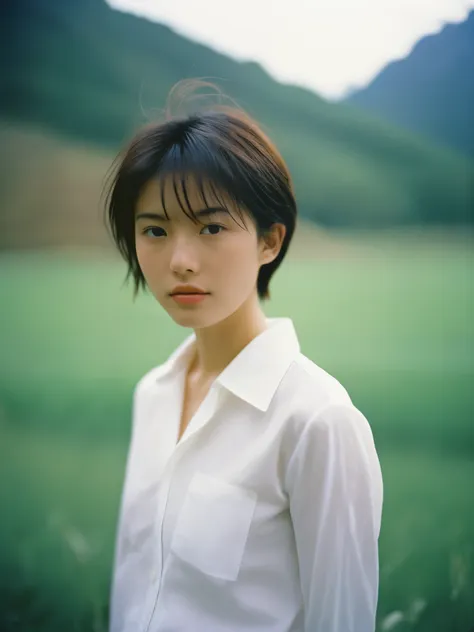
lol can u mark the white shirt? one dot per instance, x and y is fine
(265, 516)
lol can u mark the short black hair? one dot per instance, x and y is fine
(222, 148)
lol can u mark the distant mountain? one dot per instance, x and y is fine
(89, 72)
(431, 91)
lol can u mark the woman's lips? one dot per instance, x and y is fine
(188, 299)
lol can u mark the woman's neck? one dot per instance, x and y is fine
(218, 345)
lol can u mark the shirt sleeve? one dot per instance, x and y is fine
(335, 489)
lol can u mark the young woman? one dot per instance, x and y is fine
(253, 494)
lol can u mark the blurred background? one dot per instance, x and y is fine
(371, 103)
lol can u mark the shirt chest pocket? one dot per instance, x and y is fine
(213, 525)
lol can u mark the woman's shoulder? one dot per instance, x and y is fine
(316, 404)
(307, 394)
(315, 386)
(167, 369)
(147, 381)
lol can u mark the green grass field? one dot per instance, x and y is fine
(394, 325)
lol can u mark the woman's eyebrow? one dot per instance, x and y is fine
(202, 213)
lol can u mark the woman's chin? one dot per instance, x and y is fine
(189, 318)
(195, 318)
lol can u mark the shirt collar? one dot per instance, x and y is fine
(255, 373)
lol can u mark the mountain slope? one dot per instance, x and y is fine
(431, 91)
(81, 68)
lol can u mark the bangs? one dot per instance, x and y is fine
(208, 176)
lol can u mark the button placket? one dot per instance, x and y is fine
(198, 421)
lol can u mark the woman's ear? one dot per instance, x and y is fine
(271, 243)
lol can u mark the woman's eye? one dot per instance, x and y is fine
(154, 231)
(216, 228)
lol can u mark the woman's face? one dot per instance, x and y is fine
(217, 255)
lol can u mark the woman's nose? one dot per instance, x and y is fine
(183, 257)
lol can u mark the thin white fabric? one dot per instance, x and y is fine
(265, 516)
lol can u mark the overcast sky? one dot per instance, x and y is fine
(327, 45)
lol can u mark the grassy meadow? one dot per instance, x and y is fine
(390, 316)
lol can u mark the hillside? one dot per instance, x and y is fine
(431, 91)
(92, 73)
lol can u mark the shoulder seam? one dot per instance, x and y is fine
(331, 377)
